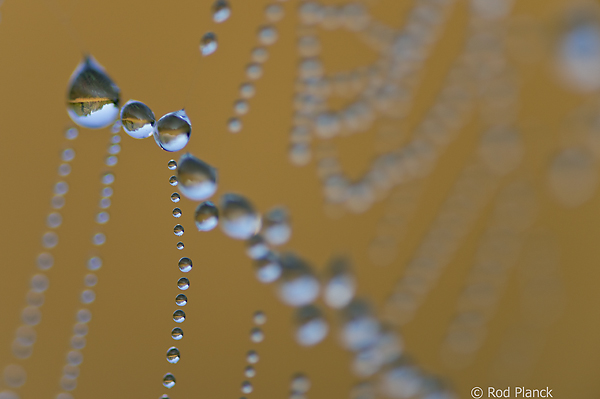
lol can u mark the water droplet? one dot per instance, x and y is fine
(102, 217)
(178, 230)
(221, 11)
(360, 328)
(180, 245)
(61, 188)
(179, 316)
(276, 226)
(181, 300)
(78, 342)
(26, 335)
(173, 180)
(45, 261)
(173, 131)
(94, 263)
(259, 317)
(311, 326)
(137, 119)
(246, 387)
(74, 358)
(177, 212)
(241, 107)
(54, 220)
(50, 239)
(300, 383)
(259, 54)
(68, 155)
(58, 201)
(177, 333)
(401, 380)
(173, 355)
(207, 216)
(99, 239)
(71, 371)
(107, 192)
(256, 248)
(208, 44)
(239, 220)
(254, 71)
(252, 357)
(93, 98)
(197, 179)
(84, 315)
(71, 133)
(274, 12)
(88, 296)
(64, 169)
(35, 299)
(68, 383)
(573, 176)
(175, 197)
(249, 372)
(169, 380)
(80, 329)
(267, 35)
(256, 335)
(111, 160)
(39, 283)
(116, 127)
(183, 283)
(114, 148)
(234, 125)
(268, 268)
(297, 286)
(14, 375)
(116, 138)
(185, 264)
(247, 90)
(340, 286)
(172, 165)
(108, 178)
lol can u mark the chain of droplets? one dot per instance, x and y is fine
(25, 335)
(74, 357)
(256, 336)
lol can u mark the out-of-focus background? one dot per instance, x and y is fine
(448, 148)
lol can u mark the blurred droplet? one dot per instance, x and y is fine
(208, 44)
(311, 326)
(297, 286)
(221, 11)
(340, 286)
(239, 220)
(276, 226)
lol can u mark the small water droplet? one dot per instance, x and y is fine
(239, 220)
(183, 283)
(175, 197)
(311, 326)
(267, 35)
(252, 357)
(274, 12)
(208, 44)
(45, 261)
(234, 125)
(178, 230)
(99, 239)
(221, 11)
(169, 380)
(90, 280)
(256, 335)
(241, 107)
(54, 220)
(94, 263)
(173, 180)
(297, 286)
(39, 282)
(88, 296)
(14, 375)
(180, 245)
(360, 329)
(247, 90)
(249, 371)
(173, 131)
(93, 98)
(111, 160)
(181, 300)
(50, 239)
(177, 212)
(108, 178)
(137, 119)
(64, 169)
(68, 155)
(177, 333)
(268, 268)
(173, 355)
(254, 71)
(207, 216)
(256, 248)
(246, 387)
(259, 317)
(179, 316)
(197, 179)
(84, 315)
(276, 226)
(102, 217)
(172, 165)
(300, 383)
(340, 285)
(185, 264)
(259, 54)
(74, 358)
(71, 133)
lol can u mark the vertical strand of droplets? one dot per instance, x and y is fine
(74, 357)
(31, 315)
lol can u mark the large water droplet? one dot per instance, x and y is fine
(340, 286)
(173, 131)
(137, 119)
(185, 264)
(197, 179)
(297, 286)
(238, 218)
(207, 216)
(173, 355)
(311, 326)
(360, 329)
(92, 97)
(208, 44)
(169, 380)
(221, 11)
(276, 226)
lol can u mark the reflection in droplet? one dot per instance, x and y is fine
(221, 11)
(173, 180)
(179, 316)
(178, 230)
(311, 327)
(169, 380)
(252, 357)
(197, 179)
(173, 355)
(206, 216)
(176, 212)
(185, 264)
(256, 335)
(208, 44)
(180, 245)
(249, 371)
(92, 98)
(246, 387)
(276, 226)
(256, 248)
(175, 197)
(172, 164)
(239, 220)
(183, 283)
(340, 286)
(181, 300)
(173, 131)
(297, 286)
(137, 119)
(268, 268)
(177, 333)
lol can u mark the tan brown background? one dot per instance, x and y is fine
(150, 49)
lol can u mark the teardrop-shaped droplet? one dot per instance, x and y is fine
(173, 131)
(340, 286)
(298, 286)
(221, 11)
(197, 179)
(208, 44)
(185, 264)
(137, 119)
(311, 327)
(238, 218)
(173, 355)
(92, 97)
(183, 283)
(207, 216)
(179, 316)
(276, 226)
(169, 380)
(181, 300)
(177, 333)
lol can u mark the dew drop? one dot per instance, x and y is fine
(267, 35)
(45, 261)
(173, 131)
(180, 245)
(274, 12)
(178, 230)
(50, 239)
(259, 54)
(26, 335)
(206, 216)
(169, 380)
(177, 212)
(259, 317)
(340, 286)
(268, 268)
(256, 248)
(276, 226)
(94, 263)
(175, 197)
(241, 107)
(68, 155)
(84, 315)
(54, 220)
(297, 286)
(300, 383)
(208, 44)
(197, 179)
(183, 283)
(14, 375)
(71, 133)
(256, 335)
(172, 164)
(360, 329)
(137, 119)
(173, 355)
(179, 316)
(92, 98)
(239, 220)
(247, 90)
(252, 357)
(177, 333)
(221, 11)
(181, 300)
(173, 180)
(39, 283)
(234, 125)
(185, 264)
(311, 326)
(246, 387)
(249, 371)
